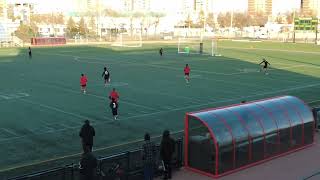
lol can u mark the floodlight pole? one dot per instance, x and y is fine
(317, 24)
(231, 19)
(316, 41)
(294, 29)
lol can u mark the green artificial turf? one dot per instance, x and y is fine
(42, 108)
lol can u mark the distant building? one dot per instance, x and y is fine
(22, 10)
(260, 7)
(310, 7)
(49, 30)
(137, 5)
(3, 9)
(86, 5)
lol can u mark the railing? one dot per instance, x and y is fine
(129, 162)
(316, 114)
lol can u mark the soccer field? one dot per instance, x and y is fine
(42, 108)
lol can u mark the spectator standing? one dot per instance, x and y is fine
(148, 157)
(167, 149)
(86, 133)
(88, 164)
(30, 52)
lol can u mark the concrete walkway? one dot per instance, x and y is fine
(295, 166)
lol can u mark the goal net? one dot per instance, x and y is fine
(196, 46)
(127, 40)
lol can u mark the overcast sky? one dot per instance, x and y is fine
(220, 5)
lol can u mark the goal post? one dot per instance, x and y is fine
(214, 47)
(127, 40)
(197, 46)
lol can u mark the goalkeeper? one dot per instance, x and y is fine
(264, 67)
(161, 52)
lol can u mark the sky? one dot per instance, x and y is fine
(242, 5)
(220, 5)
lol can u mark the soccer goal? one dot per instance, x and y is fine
(198, 46)
(127, 40)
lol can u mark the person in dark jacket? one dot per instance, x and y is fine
(88, 164)
(161, 51)
(30, 52)
(167, 149)
(148, 157)
(86, 133)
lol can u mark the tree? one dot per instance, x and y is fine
(58, 19)
(260, 19)
(154, 20)
(26, 32)
(188, 21)
(82, 28)
(290, 16)
(92, 26)
(240, 20)
(202, 19)
(112, 13)
(224, 19)
(210, 20)
(71, 28)
(47, 18)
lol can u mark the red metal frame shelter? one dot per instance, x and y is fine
(223, 140)
(48, 41)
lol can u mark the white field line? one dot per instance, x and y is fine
(149, 91)
(128, 63)
(223, 81)
(134, 64)
(164, 94)
(97, 96)
(177, 109)
(9, 131)
(55, 109)
(266, 49)
(271, 69)
(314, 101)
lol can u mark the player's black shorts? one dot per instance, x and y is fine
(265, 67)
(106, 77)
(186, 74)
(115, 112)
(83, 85)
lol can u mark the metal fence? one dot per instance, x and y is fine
(129, 163)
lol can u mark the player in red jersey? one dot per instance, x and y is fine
(187, 73)
(114, 95)
(83, 83)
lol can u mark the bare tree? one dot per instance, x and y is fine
(224, 19)
(260, 19)
(210, 20)
(241, 20)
